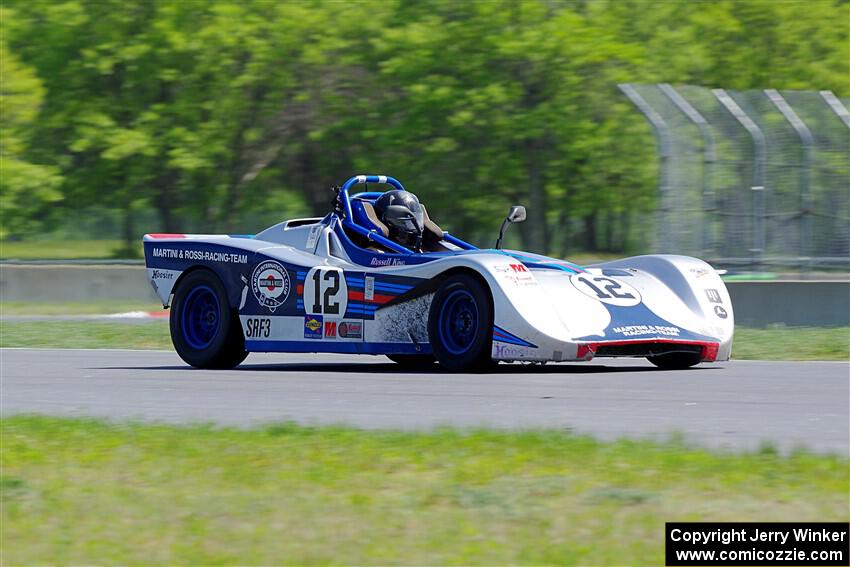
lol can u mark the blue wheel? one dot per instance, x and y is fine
(458, 321)
(205, 330)
(200, 319)
(460, 324)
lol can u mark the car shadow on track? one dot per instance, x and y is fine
(392, 368)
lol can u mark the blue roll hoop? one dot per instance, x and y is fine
(349, 223)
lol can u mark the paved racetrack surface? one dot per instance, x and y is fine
(735, 405)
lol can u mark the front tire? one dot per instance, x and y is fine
(205, 330)
(675, 360)
(460, 324)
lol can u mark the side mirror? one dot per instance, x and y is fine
(516, 214)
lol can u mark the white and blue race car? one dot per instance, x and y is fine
(338, 284)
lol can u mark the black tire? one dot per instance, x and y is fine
(675, 360)
(205, 330)
(460, 325)
(413, 361)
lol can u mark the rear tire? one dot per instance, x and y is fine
(675, 360)
(413, 361)
(205, 330)
(460, 324)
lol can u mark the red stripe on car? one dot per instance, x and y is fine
(358, 296)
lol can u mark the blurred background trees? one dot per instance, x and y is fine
(125, 117)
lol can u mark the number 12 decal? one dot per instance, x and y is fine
(606, 290)
(325, 292)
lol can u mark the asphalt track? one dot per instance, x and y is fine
(733, 405)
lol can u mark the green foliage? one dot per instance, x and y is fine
(210, 113)
(66, 249)
(25, 187)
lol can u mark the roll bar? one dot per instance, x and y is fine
(349, 223)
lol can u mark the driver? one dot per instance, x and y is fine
(403, 215)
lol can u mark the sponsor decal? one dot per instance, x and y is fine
(270, 284)
(258, 328)
(514, 268)
(313, 236)
(171, 253)
(504, 351)
(387, 262)
(350, 330)
(517, 274)
(313, 327)
(181, 254)
(330, 329)
(216, 256)
(700, 272)
(640, 330)
(369, 288)
(607, 290)
(720, 312)
(713, 296)
(162, 275)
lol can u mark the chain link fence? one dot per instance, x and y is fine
(751, 179)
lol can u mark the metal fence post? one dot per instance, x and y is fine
(709, 157)
(806, 203)
(760, 156)
(836, 106)
(662, 136)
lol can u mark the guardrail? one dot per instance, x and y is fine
(757, 303)
(57, 283)
(791, 302)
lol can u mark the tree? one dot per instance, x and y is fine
(25, 187)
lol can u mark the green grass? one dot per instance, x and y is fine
(792, 343)
(83, 491)
(99, 307)
(85, 334)
(775, 343)
(67, 250)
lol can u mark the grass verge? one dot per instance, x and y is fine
(99, 307)
(84, 491)
(776, 343)
(792, 343)
(85, 334)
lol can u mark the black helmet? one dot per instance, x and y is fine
(403, 215)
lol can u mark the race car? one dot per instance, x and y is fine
(340, 284)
